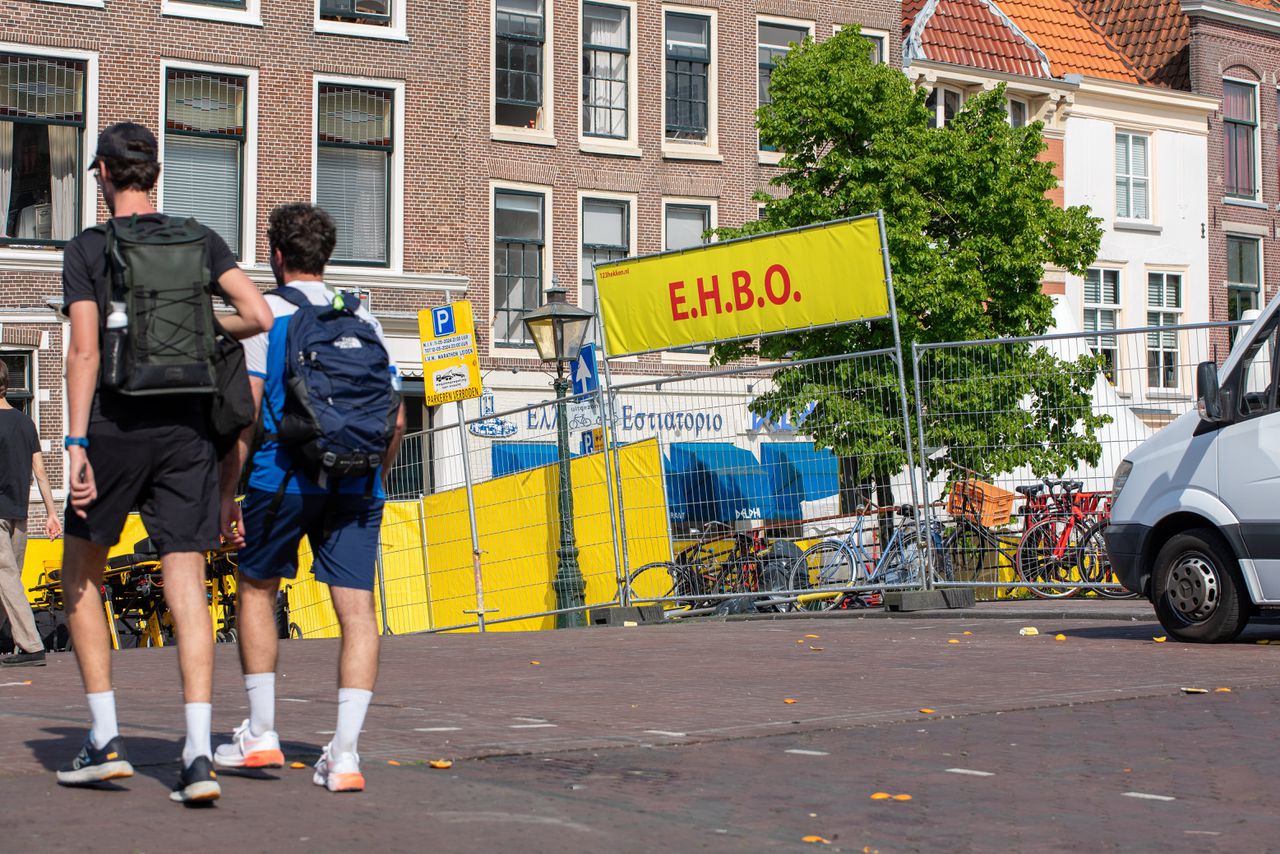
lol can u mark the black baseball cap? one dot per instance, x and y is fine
(126, 141)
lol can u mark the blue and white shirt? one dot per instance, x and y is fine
(264, 356)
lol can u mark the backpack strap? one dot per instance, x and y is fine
(291, 295)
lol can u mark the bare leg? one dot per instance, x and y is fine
(256, 624)
(184, 592)
(358, 664)
(82, 565)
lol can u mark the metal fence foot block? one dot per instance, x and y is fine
(960, 597)
(617, 616)
(914, 600)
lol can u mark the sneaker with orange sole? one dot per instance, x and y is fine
(338, 773)
(247, 750)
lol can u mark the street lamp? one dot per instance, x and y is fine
(557, 329)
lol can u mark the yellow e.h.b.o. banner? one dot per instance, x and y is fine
(813, 276)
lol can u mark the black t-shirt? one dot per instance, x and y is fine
(86, 276)
(18, 442)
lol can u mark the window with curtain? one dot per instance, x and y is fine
(943, 104)
(605, 237)
(1133, 177)
(1164, 308)
(520, 31)
(518, 240)
(688, 52)
(354, 143)
(606, 51)
(1239, 146)
(1243, 276)
(1102, 314)
(21, 379)
(1017, 111)
(204, 130)
(376, 12)
(41, 138)
(772, 43)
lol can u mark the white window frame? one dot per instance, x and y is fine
(1010, 100)
(709, 149)
(395, 219)
(939, 107)
(1260, 242)
(1177, 319)
(32, 353)
(250, 15)
(1117, 308)
(1151, 202)
(692, 201)
(42, 258)
(249, 177)
(1256, 85)
(870, 33)
(630, 146)
(545, 135)
(633, 202)
(496, 347)
(394, 31)
(762, 156)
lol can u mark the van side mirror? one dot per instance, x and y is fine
(1210, 396)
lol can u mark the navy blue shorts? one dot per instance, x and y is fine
(342, 530)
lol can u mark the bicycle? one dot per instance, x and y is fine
(1095, 563)
(1050, 554)
(979, 509)
(839, 569)
(722, 562)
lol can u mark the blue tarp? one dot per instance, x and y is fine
(798, 472)
(512, 457)
(716, 481)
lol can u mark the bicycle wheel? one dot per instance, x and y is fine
(964, 546)
(662, 583)
(1045, 558)
(1095, 565)
(826, 567)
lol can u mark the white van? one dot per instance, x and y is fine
(1195, 511)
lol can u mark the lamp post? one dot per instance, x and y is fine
(557, 329)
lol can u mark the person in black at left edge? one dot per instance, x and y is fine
(154, 451)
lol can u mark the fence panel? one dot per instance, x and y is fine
(759, 463)
(995, 418)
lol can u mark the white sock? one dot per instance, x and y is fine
(353, 703)
(102, 711)
(199, 722)
(261, 688)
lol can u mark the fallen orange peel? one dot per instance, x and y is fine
(927, 711)
(535, 662)
(296, 765)
(1222, 690)
(811, 636)
(815, 839)
(881, 796)
(952, 640)
(441, 763)
(902, 797)
(1160, 638)
(789, 701)
(392, 762)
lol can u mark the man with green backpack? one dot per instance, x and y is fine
(143, 409)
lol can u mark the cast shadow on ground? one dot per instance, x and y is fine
(1258, 629)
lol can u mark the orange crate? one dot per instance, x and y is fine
(981, 502)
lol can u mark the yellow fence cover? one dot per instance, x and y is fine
(431, 585)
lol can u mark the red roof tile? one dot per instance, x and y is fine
(1072, 42)
(971, 33)
(1154, 34)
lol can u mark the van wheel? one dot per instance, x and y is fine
(1199, 593)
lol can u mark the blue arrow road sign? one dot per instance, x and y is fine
(586, 375)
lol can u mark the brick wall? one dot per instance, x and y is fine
(449, 157)
(1221, 50)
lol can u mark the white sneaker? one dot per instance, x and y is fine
(340, 773)
(247, 750)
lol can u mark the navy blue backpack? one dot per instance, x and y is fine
(340, 401)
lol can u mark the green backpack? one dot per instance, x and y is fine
(160, 272)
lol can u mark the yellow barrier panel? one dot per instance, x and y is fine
(519, 532)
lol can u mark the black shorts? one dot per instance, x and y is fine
(168, 471)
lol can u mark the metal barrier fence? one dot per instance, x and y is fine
(995, 418)
(766, 483)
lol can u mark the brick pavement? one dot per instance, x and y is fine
(634, 738)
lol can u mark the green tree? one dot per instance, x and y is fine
(969, 231)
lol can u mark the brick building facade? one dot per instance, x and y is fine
(467, 137)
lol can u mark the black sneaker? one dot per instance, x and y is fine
(92, 765)
(198, 782)
(24, 659)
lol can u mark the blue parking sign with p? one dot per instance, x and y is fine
(442, 320)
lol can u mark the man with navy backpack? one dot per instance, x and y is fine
(331, 422)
